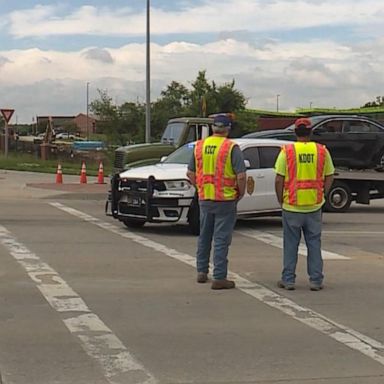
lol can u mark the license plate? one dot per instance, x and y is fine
(134, 201)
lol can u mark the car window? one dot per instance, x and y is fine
(331, 126)
(252, 155)
(373, 127)
(355, 126)
(268, 156)
(191, 134)
(173, 133)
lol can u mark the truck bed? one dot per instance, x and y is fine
(364, 174)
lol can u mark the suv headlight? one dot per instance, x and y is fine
(177, 185)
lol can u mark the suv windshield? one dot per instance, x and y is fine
(182, 155)
(173, 133)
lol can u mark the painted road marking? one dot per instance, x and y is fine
(277, 241)
(354, 233)
(118, 364)
(341, 232)
(344, 335)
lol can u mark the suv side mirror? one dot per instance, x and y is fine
(247, 164)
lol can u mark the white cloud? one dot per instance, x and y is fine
(324, 72)
(321, 72)
(252, 15)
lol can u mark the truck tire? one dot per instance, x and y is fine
(134, 223)
(194, 217)
(339, 198)
(380, 162)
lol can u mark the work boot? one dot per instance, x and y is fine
(315, 286)
(202, 277)
(223, 284)
(287, 286)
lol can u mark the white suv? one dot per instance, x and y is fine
(162, 193)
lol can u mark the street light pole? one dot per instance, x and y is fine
(277, 103)
(148, 81)
(87, 110)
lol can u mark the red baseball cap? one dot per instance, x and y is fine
(303, 121)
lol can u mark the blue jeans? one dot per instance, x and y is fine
(293, 224)
(217, 220)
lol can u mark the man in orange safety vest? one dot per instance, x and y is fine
(304, 175)
(218, 171)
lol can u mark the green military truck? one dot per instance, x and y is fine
(178, 132)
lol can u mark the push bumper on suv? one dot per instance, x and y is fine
(140, 199)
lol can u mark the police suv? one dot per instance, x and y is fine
(161, 193)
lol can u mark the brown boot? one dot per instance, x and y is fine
(223, 284)
(202, 277)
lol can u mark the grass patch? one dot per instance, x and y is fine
(26, 162)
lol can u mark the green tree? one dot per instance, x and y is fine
(175, 98)
(108, 115)
(127, 121)
(228, 99)
(379, 102)
(245, 122)
(202, 96)
(132, 117)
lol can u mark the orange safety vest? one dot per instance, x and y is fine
(293, 184)
(215, 178)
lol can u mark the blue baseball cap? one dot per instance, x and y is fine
(222, 121)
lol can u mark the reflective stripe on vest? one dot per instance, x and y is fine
(217, 179)
(293, 184)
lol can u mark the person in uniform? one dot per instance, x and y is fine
(304, 175)
(218, 171)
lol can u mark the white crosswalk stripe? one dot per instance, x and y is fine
(277, 242)
(336, 331)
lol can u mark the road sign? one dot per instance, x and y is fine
(7, 114)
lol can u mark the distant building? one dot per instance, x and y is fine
(83, 125)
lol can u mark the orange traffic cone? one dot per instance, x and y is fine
(100, 176)
(83, 174)
(59, 175)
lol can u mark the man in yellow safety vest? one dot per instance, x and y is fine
(304, 175)
(218, 171)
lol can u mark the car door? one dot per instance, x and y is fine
(361, 137)
(260, 188)
(267, 157)
(330, 134)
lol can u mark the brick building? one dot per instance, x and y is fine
(83, 125)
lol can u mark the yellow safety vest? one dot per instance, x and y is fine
(215, 178)
(304, 178)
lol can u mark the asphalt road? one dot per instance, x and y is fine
(84, 300)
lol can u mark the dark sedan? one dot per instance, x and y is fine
(353, 141)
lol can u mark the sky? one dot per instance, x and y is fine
(284, 54)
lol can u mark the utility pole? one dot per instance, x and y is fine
(87, 110)
(277, 103)
(148, 80)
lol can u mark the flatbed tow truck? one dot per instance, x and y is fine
(359, 186)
